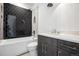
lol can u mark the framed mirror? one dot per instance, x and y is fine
(17, 21)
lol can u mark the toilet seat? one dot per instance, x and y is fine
(32, 46)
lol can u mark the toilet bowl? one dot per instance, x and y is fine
(32, 48)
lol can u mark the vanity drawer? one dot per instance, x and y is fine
(62, 52)
(72, 48)
(69, 49)
(72, 45)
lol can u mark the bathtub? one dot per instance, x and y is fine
(13, 47)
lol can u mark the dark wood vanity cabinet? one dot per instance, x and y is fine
(47, 46)
(56, 47)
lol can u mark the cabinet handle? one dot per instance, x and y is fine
(42, 48)
(59, 53)
(1, 16)
(45, 48)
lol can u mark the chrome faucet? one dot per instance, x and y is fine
(55, 31)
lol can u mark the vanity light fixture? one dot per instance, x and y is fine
(49, 4)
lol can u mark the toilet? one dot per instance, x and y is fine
(32, 48)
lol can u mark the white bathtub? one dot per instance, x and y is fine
(13, 47)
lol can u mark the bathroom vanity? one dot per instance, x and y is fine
(57, 45)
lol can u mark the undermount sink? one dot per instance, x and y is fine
(54, 33)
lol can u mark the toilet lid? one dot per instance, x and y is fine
(33, 44)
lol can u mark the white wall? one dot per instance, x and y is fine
(47, 20)
(62, 17)
(1, 21)
(35, 25)
(68, 17)
(24, 5)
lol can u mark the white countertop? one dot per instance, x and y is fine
(15, 40)
(67, 37)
